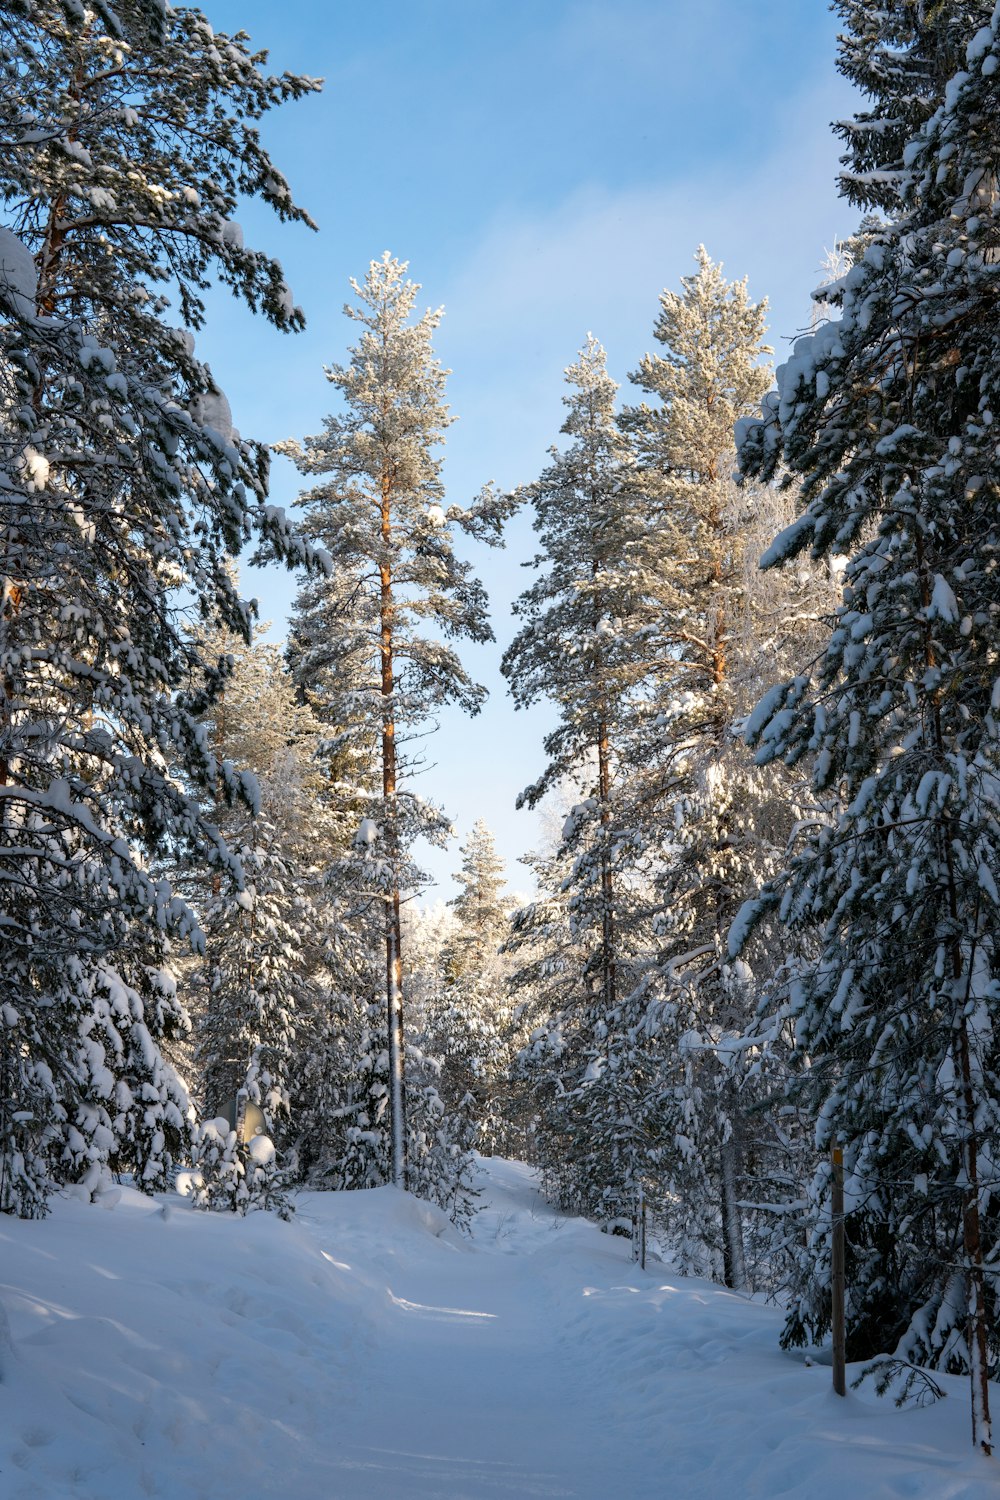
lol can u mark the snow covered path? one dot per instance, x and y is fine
(370, 1352)
(478, 1364)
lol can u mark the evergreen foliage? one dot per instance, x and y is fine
(261, 975)
(471, 1025)
(582, 646)
(126, 143)
(716, 820)
(378, 511)
(888, 415)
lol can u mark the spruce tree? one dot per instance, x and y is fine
(262, 970)
(900, 55)
(341, 1095)
(127, 141)
(585, 609)
(888, 416)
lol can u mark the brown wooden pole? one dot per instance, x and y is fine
(837, 1275)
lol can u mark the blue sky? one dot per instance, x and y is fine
(547, 167)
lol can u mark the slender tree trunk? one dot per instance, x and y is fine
(393, 943)
(609, 984)
(732, 1221)
(51, 252)
(609, 976)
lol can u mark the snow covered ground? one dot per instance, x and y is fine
(370, 1352)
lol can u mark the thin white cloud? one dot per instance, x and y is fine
(599, 258)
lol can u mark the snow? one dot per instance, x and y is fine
(18, 278)
(368, 1350)
(35, 467)
(764, 711)
(981, 43)
(212, 409)
(943, 605)
(788, 541)
(740, 928)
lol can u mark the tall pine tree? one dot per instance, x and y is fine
(707, 818)
(378, 511)
(582, 647)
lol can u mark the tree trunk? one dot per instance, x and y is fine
(609, 979)
(393, 943)
(732, 1223)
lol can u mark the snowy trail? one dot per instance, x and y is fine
(371, 1352)
(542, 1362)
(498, 1406)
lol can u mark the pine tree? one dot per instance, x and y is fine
(480, 906)
(587, 609)
(712, 814)
(123, 132)
(341, 1095)
(581, 1083)
(888, 416)
(582, 647)
(378, 510)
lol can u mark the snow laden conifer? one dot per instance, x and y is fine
(581, 646)
(711, 821)
(900, 56)
(342, 1094)
(119, 494)
(262, 973)
(340, 1104)
(471, 1024)
(378, 509)
(889, 416)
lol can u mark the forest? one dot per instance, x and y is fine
(763, 615)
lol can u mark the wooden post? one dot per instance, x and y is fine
(837, 1276)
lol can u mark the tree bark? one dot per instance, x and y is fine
(732, 1223)
(393, 944)
(609, 978)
